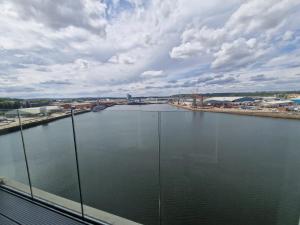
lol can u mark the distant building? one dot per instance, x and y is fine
(187, 102)
(277, 103)
(129, 97)
(156, 100)
(33, 112)
(78, 105)
(296, 100)
(293, 108)
(223, 100)
(293, 96)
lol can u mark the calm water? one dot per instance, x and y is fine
(216, 169)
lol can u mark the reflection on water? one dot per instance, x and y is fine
(254, 178)
(216, 169)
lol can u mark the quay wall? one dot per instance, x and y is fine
(36, 122)
(259, 113)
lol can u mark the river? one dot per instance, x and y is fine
(215, 169)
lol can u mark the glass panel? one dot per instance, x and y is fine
(229, 169)
(118, 160)
(50, 151)
(13, 171)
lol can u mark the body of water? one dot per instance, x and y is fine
(215, 169)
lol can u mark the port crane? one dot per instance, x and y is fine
(195, 97)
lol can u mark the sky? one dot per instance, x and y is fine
(80, 48)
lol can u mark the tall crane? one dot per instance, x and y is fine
(195, 97)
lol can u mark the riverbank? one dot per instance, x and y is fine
(13, 125)
(259, 113)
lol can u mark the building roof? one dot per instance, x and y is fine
(295, 99)
(277, 102)
(223, 99)
(33, 110)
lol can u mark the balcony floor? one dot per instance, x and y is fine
(15, 210)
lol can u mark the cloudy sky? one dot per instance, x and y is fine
(71, 48)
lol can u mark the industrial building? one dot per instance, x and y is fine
(295, 100)
(216, 101)
(277, 103)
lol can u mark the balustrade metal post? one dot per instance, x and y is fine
(25, 155)
(77, 163)
(159, 169)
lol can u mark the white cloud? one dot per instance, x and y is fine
(256, 21)
(288, 35)
(122, 59)
(92, 47)
(197, 41)
(152, 73)
(237, 54)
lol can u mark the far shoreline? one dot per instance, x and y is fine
(258, 113)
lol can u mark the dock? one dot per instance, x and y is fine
(243, 112)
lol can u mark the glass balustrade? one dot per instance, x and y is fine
(118, 161)
(13, 170)
(158, 167)
(51, 158)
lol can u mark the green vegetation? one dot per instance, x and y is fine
(8, 103)
(12, 103)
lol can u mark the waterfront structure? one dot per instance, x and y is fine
(228, 99)
(156, 100)
(296, 100)
(186, 102)
(129, 97)
(33, 112)
(277, 103)
(78, 105)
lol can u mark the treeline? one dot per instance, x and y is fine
(9, 103)
(6, 103)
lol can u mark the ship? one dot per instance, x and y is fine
(98, 108)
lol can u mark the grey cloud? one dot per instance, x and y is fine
(43, 69)
(162, 87)
(8, 66)
(56, 82)
(18, 89)
(189, 84)
(223, 81)
(262, 78)
(172, 81)
(17, 59)
(59, 14)
(219, 76)
(287, 81)
(205, 79)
